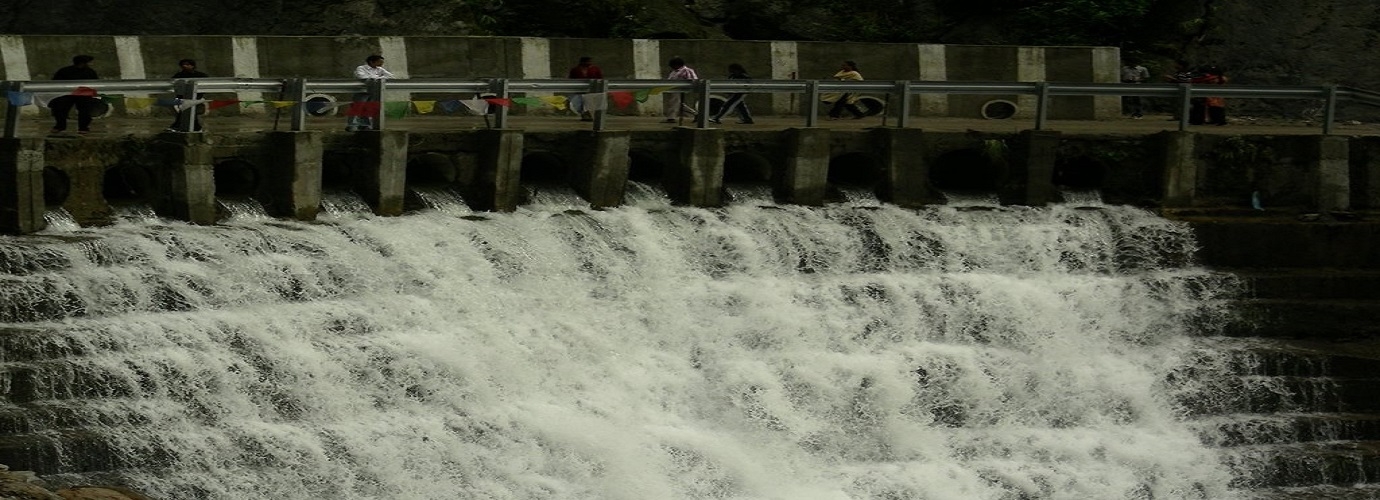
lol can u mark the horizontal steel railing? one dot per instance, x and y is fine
(296, 90)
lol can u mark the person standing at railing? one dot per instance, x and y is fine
(672, 103)
(584, 70)
(362, 117)
(187, 69)
(1214, 109)
(735, 101)
(1133, 72)
(62, 105)
(847, 100)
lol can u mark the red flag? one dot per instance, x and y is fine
(622, 98)
(84, 92)
(217, 104)
(507, 103)
(363, 108)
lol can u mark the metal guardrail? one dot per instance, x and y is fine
(297, 90)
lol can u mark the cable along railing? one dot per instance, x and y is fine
(297, 90)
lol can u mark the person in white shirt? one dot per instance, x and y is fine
(671, 102)
(1133, 72)
(372, 69)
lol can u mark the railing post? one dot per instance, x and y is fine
(1185, 99)
(903, 111)
(702, 115)
(599, 86)
(812, 113)
(1041, 105)
(499, 87)
(13, 112)
(186, 91)
(295, 90)
(1330, 110)
(375, 87)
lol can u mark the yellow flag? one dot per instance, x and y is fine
(556, 101)
(424, 107)
(139, 102)
(282, 104)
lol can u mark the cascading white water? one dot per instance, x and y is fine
(630, 353)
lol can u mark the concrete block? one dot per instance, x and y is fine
(498, 181)
(1180, 169)
(905, 173)
(21, 186)
(698, 178)
(805, 178)
(1333, 173)
(601, 172)
(295, 189)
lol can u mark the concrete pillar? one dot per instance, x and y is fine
(190, 183)
(21, 186)
(498, 182)
(1106, 68)
(806, 176)
(785, 65)
(296, 170)
(1030, 180)
(1030, 67)
(1180, 169)
(698, 178)
(905, 175)
(1333, 173)
(934, 67)
(1366, 180)
(601, 171)
(384, 170)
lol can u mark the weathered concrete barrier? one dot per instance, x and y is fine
(186, 176)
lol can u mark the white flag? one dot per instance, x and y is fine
(187, 104)
(476, 106)
(597, 101)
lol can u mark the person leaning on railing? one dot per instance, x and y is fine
(372, 69)
(85, 104)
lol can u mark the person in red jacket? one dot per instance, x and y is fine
(585, 70)
(1214, 109)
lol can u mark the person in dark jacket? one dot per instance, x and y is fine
(735, 101)
(187, 69)
(62, 106)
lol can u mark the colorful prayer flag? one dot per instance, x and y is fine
(528, 101)
(596, 101)
(396, 109)
(476, 106)
(363, 108)
(220, 103)
(187, 104)
(556, 101)
(450, 106)
(139, 102)
(621, 98)
(21, 98)
(498, 101)
(424, 107)
(282, 104)
(84, 92)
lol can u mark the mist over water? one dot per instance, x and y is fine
(644, 352)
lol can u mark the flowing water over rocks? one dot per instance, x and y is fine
(858, 351)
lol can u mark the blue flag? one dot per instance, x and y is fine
(21, 98)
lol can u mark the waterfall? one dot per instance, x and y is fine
(630, 353)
